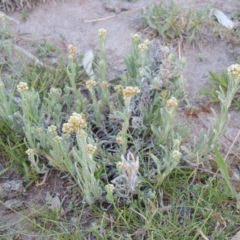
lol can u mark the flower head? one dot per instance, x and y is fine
(120, 140)
(109, 188)
(72, 51)
(104, 84)
(91, 148)
(101, 63)
(57, 139)
(234, 70)
(30, 152)
(164, 93)
(52, 129)
(129, 92)
(22, 87)
(38, 129)
(142, 72)
(172, 103)
(75, 122)
(131, 165)
(136, 37)
(142, 47)
(90, 84)
(118, 88)
(176, 154)
(82, 133)
(102, 32)
(120, 166)
(147, 43)
(55, 91)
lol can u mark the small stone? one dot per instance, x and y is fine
(115, 6)
(12, 189)
(13, 204)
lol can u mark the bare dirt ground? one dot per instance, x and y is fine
(77, 21)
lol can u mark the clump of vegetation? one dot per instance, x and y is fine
(77, 130)
(119, 142)
(173, 21)
(219, 81)
(12, 5)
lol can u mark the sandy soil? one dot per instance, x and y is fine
(67, 23)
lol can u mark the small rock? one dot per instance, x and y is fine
(115, 6)
(11, 189)
(13, 204)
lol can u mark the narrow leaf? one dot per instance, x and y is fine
(87, 63)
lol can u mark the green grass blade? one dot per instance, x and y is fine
(224, 171)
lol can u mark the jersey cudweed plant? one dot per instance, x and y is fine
(60, 128)
(117, 141)
(129, 168)
(208, 140)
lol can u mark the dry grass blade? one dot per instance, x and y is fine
(9, 18)
(29, 55)
(202, 234)
(112, 16)
(12, 5)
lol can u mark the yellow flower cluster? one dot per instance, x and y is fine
(147, 43)
(164, 94)
(142, 47)
(142, 72)
(54, 90)
(22, 87)
(72, 51)
(104, 84)
(52, 129)
(172, 102)
(82, 133)
(30, 152)
(121, 166)
(120, 140)
(39, 130)
(90, 84)
(57, 139)
(91, 148)
(118, 88)
(101, 63)
(234, 70)
(102, 32)
(176, 154)
(75, 122)
(129, 92)
(136, 37)
(109, 187)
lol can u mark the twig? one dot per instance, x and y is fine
(206, 171)
(33, 39)
(179, 50)
(100, 19)
(113, 16)
(202, 234)
(235, 139)
(9, 18)
(44, 179)
(28, 55)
